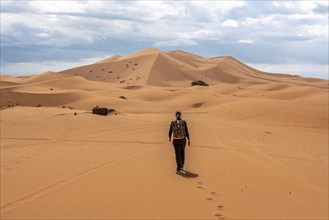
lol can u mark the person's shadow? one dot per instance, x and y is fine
(187, 174)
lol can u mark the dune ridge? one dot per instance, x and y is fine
(158, 68)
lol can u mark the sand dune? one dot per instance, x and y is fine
(178, 68)
(259, 141)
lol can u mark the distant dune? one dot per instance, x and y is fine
(177, 68)
(259, 141)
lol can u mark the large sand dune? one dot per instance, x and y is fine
(259, 141)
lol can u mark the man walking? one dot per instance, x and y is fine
(178, 131)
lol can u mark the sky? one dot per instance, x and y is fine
(275, 36)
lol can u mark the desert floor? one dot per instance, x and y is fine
(261, 151)
(259, 141)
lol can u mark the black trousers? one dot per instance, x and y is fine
(179, 145)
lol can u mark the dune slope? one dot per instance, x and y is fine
(178, 68)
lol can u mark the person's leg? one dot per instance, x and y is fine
(182, 152)
(177, 147)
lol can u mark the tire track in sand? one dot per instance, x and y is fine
(252, 146)
(35, 195)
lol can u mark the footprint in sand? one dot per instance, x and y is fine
(220, 207)
(214, 193)
(200, 185)
(210, 199)
(219, 216)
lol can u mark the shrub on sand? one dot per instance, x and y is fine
(199, 83)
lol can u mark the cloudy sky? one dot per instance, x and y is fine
(275, 36)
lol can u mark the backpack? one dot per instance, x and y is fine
(179, 129)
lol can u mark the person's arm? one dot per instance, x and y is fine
(170, 132)
(187, 134)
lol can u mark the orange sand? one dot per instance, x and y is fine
(259, 142)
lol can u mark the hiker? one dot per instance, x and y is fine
(179, 133)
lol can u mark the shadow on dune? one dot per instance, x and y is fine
(187, 174)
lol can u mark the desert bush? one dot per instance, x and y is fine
(199, 83)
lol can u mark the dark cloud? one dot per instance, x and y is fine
(253, 31)
(321, 9)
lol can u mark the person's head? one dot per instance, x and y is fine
(178, 114)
